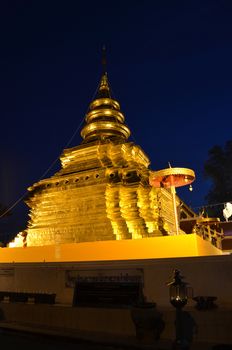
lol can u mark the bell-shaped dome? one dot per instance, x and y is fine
(104, 119)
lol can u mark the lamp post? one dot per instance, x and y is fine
(178, 298)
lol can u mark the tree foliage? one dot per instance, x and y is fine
(218, 168)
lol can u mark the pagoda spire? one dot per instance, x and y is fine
(103, 90)
(104, 62)
(104, 119)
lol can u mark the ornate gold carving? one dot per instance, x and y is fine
(104, 101)
(105, 129)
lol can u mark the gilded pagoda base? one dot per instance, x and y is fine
(205, 274)
(146, 248)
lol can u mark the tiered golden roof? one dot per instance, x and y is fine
(104, 119)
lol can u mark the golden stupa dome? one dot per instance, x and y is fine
(104, 120)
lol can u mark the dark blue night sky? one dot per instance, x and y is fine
(169, 66)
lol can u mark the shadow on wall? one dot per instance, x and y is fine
(186, 328)
(148, 322)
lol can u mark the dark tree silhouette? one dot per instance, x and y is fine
(218, 168)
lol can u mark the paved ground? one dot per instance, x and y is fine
(28, 334)
(20, 338)
(26, 341)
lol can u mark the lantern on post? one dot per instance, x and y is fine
(177, 290)
(178, 296)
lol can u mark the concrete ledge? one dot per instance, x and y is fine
(190, 245)
(113, 325)
(111, 321)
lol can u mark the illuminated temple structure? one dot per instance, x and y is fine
(102, 191)
(102, 222)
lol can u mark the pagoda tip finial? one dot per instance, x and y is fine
(104, 59)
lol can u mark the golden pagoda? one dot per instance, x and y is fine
(102, 191)
(105, 190)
